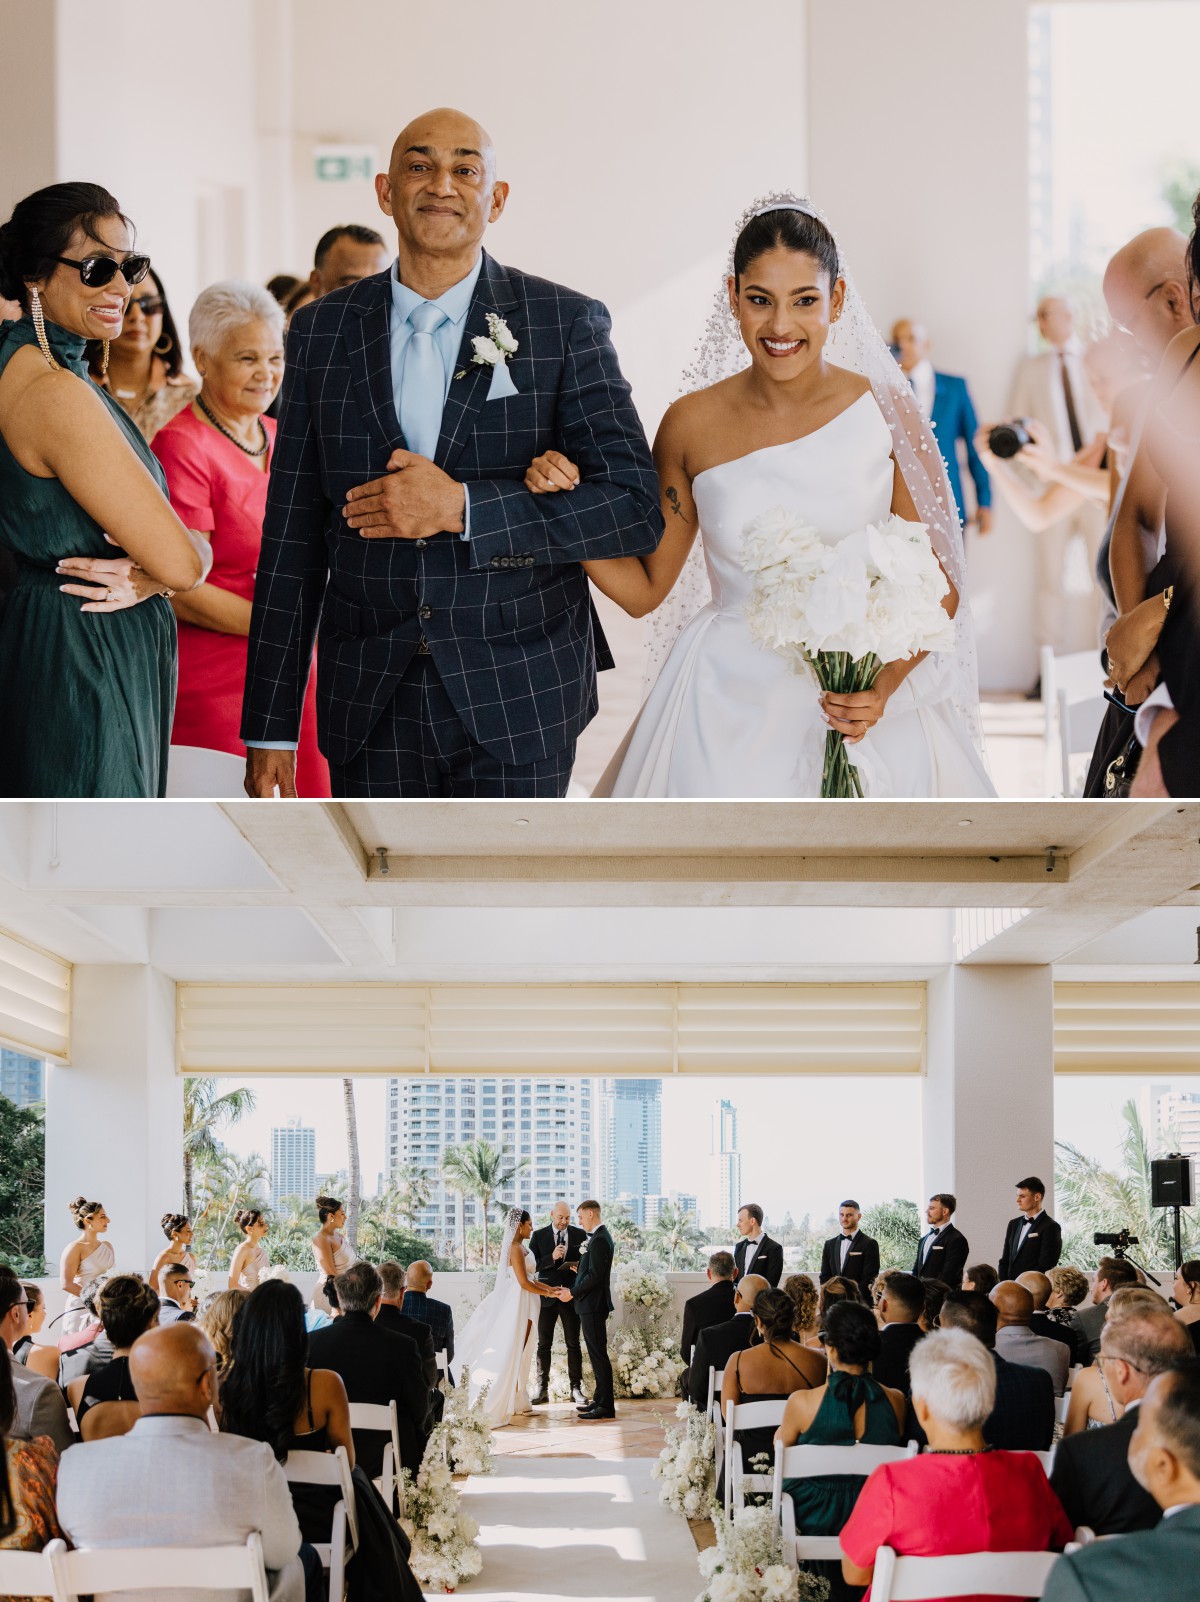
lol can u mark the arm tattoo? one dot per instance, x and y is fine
(672, 497)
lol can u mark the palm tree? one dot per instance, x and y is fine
(896, 1225)
(355, 1195)
(225, 1183)
(675, 1237)
(205, 1113)
(477, 1168)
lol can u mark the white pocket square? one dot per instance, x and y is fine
(502, 384)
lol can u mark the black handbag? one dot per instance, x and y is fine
(1121, 772)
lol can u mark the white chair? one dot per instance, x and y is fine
(26, 1573)
(1073, 698)
(158, 1568)
(443, 1364)
(330, 1468)
(194, 773)
(807, 1462)
(912, 1579)
(1046, 1459)
(746, 1416)
(1061, 1405)
(375, 1416)
(715, 1378)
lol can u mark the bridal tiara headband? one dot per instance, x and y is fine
(788, 205)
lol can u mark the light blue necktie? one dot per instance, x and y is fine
(423, 390)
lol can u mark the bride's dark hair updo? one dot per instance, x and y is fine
(786, 230)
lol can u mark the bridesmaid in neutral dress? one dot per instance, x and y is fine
(333, 1252)
(250, 1262)
(177, 1227)
(84, 1261)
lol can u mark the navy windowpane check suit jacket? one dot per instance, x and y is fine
(507, 614)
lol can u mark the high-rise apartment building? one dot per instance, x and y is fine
(1167, 1109)
(293, 1161)
(22, 1079)
(725, 1168)
(630, 1140)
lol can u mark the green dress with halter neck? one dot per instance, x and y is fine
(86, 698)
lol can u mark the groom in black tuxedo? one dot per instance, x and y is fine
(556, 1248)
(593, 1299)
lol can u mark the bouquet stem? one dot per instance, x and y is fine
(837, 672)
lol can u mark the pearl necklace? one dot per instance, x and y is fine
(228, 433)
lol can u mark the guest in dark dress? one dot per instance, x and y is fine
(768, 1372)
(851, 1406)
(104, 1399)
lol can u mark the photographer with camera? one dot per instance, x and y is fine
(1111, 1274)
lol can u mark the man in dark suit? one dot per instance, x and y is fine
(852, 1254)
(1165, 1454)
(1023, 1417)
(1033, 1240)
(1040, 1288)
(716, 1345)
(592, 1297)
(900, 1306)
(391, 1317)
(1111, 1274)
(711, 1306)
(415, 1283)
(376, 1365)
(556, 1248)
(458, 646)
(1091, 1469)
(946, 401)
(942, 1253)
(756, 1252)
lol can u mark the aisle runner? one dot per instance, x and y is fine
(558, 1529)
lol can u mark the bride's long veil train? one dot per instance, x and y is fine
(496, 1341)
(855, 343)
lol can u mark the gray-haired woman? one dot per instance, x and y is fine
(217, 456)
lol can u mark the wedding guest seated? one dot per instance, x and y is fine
(900, 1307)
(281, 285)
(714, 1305)
(960, 1496)
(217, 457)
(806, 1308)
(145, 373)
(878, 1285)
(344, 255)
(418, 1304)
(376, 1365)
(1186, 1291)
(176, 1301)
(216, 1318)
(936, 1291)
(1093, 1404)
(395, 1316)
(1163, 1562)
(769, 1372)
(1091, 1469)
(42, 1359)
(850, 1406)
(1068, 1288)
(980, 1277)
(1016, 1341)
(1023, 1417)
(172, 1479)
(837, 1290)
(39, 1408)
(1111, 1274)
(1041, 1321)
(177, 1227)
(717, 1344)
(105, 1400)
(28, 1474)
(271, 1394)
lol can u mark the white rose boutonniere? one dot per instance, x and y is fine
(493, 350)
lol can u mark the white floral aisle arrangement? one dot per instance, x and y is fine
(444, 1537)
(843, 609)
(747, 1564)
(687, 1464)
(468, 1430)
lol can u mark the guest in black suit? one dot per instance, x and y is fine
(556, 1248)
(1091, 1469)
(716, 1345)
(376, 1365)
(942, 1253)
(901, 1306)
(593, 1298)
(1112, 1274)
(756, 1252)
(851, 1254)
(420, 1306)
(1023, 1418)
(1033, 1240)
(711, 1306)
(391, 1317)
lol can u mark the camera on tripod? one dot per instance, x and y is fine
(1119, 1242)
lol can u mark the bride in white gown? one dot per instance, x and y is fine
(497, 1343)
(822, 423)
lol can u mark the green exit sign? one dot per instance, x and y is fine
(345, 164)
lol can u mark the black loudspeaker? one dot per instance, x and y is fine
(1171, 1182)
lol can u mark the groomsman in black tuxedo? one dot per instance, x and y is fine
(852, 1254)
(556, 1247)
(593, 1299)
(1033, 1240)
(711, 1306)
(942, 1253)
(756, 1252)
(716, 1345)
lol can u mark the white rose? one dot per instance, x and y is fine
(501, 334)
(487, 352)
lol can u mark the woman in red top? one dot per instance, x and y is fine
(960, 1495)
(217, 456)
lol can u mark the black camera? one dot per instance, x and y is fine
(1120, 1240)
(1007, 439)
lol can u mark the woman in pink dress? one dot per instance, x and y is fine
(217, 456)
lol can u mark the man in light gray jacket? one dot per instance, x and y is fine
(1015, 1340)
(171, 1481)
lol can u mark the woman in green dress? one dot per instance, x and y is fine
(86, 690)
(851, 1406)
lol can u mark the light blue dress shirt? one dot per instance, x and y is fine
(456, 303)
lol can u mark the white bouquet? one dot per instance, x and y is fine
(645, 1288)
(686, 1465)
(645, 1362)
(747, 1565)
(443, 1536)
(468, 1430)
(844, 608)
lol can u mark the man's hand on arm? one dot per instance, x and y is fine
(414, 500)
(1148, 782)
(268, 768)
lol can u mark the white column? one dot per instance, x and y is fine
(114, 1118)
(988, 1097)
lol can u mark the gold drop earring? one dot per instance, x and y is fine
(39, 326)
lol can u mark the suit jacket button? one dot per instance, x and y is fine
(420, 544)
(425, 613)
